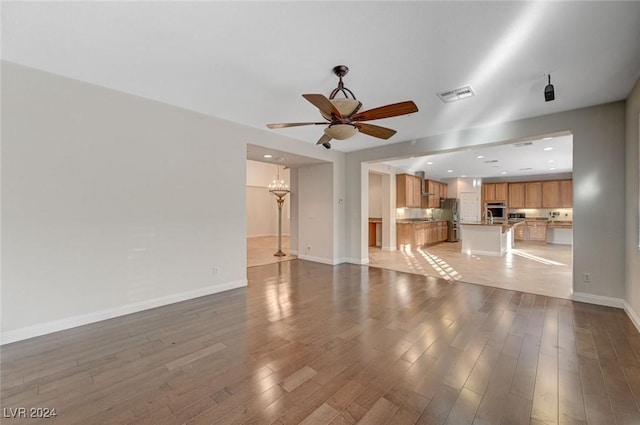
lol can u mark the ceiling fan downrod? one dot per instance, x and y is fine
(341, 71)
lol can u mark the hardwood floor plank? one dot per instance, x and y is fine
(313, 343)
(464, 409)
(438, 409)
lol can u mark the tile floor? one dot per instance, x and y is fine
(534, 267)
(260, 250)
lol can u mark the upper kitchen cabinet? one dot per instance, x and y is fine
(437, 191)
(408, 191)
(494, 192)
(551, 194)
(516, 195)
(533, 195)
(566, 193)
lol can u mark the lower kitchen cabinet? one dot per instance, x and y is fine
(420, 233)
(537, 231)
(531, 231)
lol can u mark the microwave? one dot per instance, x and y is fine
(497, 209)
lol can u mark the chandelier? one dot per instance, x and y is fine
(279, 189)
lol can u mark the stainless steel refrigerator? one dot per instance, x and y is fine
(451, 213)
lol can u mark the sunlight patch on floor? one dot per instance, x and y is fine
(443, 268)
(412, 261)
(536, 258)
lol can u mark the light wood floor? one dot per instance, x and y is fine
(260, 250)
(314, 344)
(534, 267)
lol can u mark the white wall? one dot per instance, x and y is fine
(599, 195)
(112, 203)
(632, 164)
(375, 195)
(262, 208)
(315, 213)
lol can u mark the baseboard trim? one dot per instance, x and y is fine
(358, 261)
(322, 260)
(85, 319)
(635, 318)
(597, 299)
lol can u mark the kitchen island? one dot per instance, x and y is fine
(486, 238)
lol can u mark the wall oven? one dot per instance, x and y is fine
(497, 210)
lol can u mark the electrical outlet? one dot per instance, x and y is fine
(586, 277)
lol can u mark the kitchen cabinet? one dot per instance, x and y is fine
(533, 195)
(566, 193)
(531, 230)
(551, 194)
(494, 192)
(516, 195)
(437, 191)
(536, 231)
(408, 191)
(442, 231)
(372, 234)
(418, 234)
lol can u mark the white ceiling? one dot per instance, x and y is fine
(257, 153)
(249, 62)
(522, 158)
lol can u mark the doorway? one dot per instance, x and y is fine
(263, 214)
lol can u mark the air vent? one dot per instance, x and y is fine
(522, 144)
(460, 93)
(491, 161)
(525, 169)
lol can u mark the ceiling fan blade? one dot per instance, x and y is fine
(321, 102)
(375, 130)
(294, 124)
(324, 139)
(387, 111)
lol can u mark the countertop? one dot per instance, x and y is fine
(502, 225)
(419, 221)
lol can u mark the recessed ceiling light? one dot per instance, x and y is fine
(266, 155)
(548, 148)
(464, 175)
(552, 168)
(479, 156)
(504, 172)
(550, 161)
(449, 171)
(429, 163)
(547, 138)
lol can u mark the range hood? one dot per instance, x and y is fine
(422, 175)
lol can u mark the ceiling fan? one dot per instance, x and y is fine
(342, 117)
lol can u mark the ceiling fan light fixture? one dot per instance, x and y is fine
(340, 131)
(346, 107)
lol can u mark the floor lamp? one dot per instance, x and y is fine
(280, 190)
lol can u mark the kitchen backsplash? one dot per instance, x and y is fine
(409, 213)
(563, 213)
